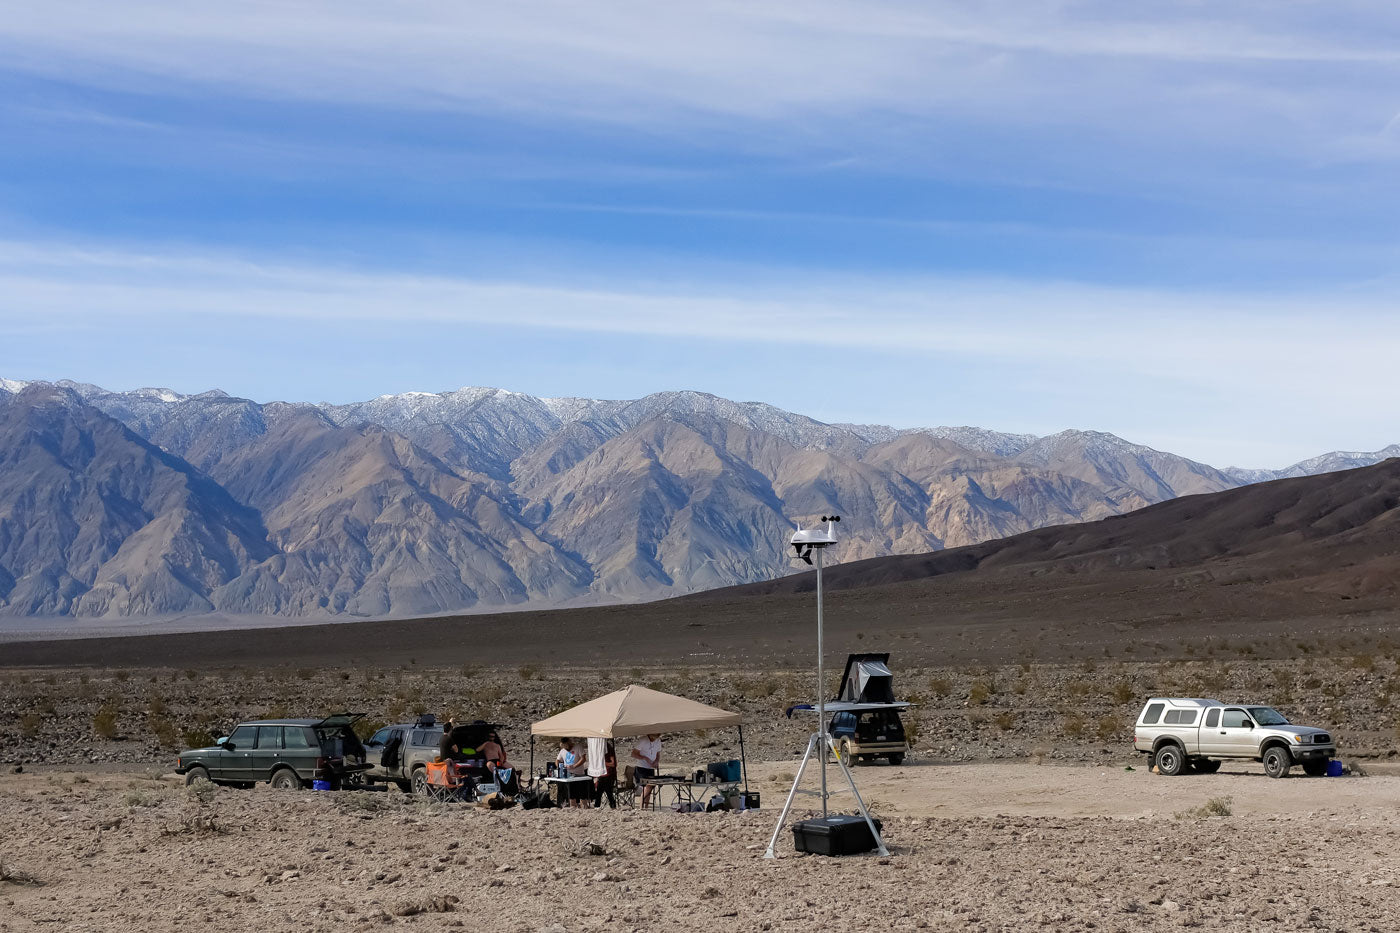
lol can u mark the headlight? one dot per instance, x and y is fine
(1298, 739)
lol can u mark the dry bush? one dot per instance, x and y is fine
(1004, 720)
(29, 725)
(9, 873)
(529, 671)
(1073, 727)
(1215, 806)
(164, 730)
(939, 686)
(1109, 728)
(980, 692)
(140, 798)
(104, 723)
(1123, 693)
(197, 738)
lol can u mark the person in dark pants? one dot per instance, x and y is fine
(606, 783)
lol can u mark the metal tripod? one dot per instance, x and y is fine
(822, 739)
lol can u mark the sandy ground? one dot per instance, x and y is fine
(984, 846)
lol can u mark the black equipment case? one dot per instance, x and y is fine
(834, 835)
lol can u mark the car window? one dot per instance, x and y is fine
(244, 736)
(1212, 719)
(1267, 716)
(1181, 717)
(1233, 719)
(426, 737)
(269, 736)
(1154, 713)
(295, 737)
(381, 737)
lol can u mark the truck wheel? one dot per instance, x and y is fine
(1277, 761)
(1316, 767)
(420, 782)
(200, 773)
(897, 758)
(285, 779)
(1170, 760)
(1206, 766)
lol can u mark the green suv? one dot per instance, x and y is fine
(284, 752)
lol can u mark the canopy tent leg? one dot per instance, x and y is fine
(532, 759)
(743, 759)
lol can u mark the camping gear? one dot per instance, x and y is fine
(723, 771)
(867, 679)
(1335, 768)
(834, 835)
(320, 785)
(634, 711)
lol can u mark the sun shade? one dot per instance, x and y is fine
(631, 711)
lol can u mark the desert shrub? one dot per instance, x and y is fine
(29, 724)
(364, 728)
(1004, 720)
(911, 731)
(1078, 688)
(1073, 726)
(197, 738)
(191, 675)
(1215, 806)
(1364, 662)
(165, 732)
(155, 705)
(140, 798)
(1123, 693)
(980, 692)
(529, 671)
(1109, 728)
(201, 792)
(122, 676)
(104, 723)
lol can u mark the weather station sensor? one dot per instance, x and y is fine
(804, 542)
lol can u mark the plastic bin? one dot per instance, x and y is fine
(834, 835)
(1335, 768)
(320, 785)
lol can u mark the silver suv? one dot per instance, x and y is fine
(1194, 734)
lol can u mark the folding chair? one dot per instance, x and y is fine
(443, 782)
(626, 789)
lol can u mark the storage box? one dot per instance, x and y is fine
(748, 800)
(834, 835)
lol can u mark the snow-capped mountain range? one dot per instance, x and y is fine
(153, 502)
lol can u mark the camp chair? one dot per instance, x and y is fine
(443, 782)
(626, 789)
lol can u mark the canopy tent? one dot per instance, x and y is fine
(634, 711)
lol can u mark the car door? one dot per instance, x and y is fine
(1210, 737)
(266, 754)
(1236, 735)
(236, 758)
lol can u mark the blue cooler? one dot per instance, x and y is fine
(1335, 768)
(320, 785)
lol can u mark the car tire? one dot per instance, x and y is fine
(1277, 761)
(1316, 767)
(420, 781)
(1170, 760)
(897, 758)
(1206, 766)
(285, 779)
(843, 751)
(197, 773)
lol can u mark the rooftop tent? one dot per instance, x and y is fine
(867, 679)
(634, 711)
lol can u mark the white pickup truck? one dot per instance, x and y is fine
(1193, 734)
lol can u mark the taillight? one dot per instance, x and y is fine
(320, 765)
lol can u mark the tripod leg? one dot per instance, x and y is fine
(787, 806)
(860, 802)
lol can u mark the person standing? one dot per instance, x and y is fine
(602, 767)
(571, 764)
(647, 751)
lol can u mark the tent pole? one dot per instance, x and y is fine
(532, 758)
(743, 759)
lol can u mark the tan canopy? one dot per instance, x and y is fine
(631, 711)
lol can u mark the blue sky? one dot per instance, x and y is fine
(1176, 223)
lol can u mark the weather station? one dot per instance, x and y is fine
(829, 835)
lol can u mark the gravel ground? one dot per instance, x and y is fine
(1017, 846)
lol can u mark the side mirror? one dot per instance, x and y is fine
(1248, 724)
(228, 746)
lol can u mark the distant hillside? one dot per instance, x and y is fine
(157, 503)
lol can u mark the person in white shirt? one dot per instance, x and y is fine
(572, 764)
(647, 752)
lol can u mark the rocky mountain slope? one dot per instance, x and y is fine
(152, 502)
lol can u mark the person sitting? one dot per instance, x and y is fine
(492, 751)
(647, 751)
